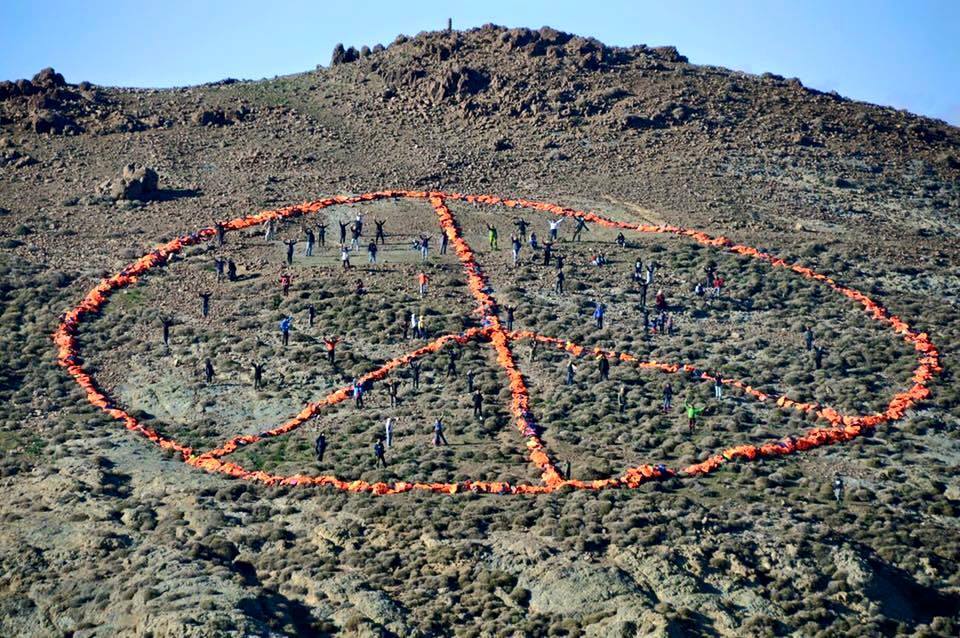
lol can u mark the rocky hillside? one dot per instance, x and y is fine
(103, 534)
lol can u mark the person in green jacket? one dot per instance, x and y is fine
(692, 413)
(492, 236)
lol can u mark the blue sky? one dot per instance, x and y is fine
(904, 53)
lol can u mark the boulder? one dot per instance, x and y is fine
(207, 117)
(343, 56)
(48, 79)
(135, 182)
(44, 121)
(458, 82)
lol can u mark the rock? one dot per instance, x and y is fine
(25, 87)
(51, 122)
(364, 51)
(49, 79)
(136, 182)
(457, 83)
(210, 118)
(343, 56)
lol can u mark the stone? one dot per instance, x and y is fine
(48, 79)
(136, 182)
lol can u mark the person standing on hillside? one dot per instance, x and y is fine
(345, 257)
(598, 313)
(438, 437)
(290, 243)
(554, 228)
(208, 371)
(358, 394)
(320, 446)
(231, 270)
(667, 397)
(219, 264)
(692, 413)
(717, 386)
(322, 234)
(422, 281)
(285, 324)
(808, 338)
(492, 236)
(372, 252)
(622, 398)
(388, 431)
(378, 452)
(603, 367)
(331, 345)
(521, 225)
(380, 236)
(581, 226)
(452, 364)
(355, 232)
(308, 251)
(510, 310)
(415, 371)
(571, 369)
(285, 283)
(257, 375)
(547, 252)
(559, 285)
(221, 233)
(343, 231)
(204, 304)
(515, 246)
(471, 374)
(478, 404)
(424, 247)
(818, 352)
(393, 388)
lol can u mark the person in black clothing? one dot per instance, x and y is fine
(393, 388)
(621, 240)
(322, 234)
(510, 310)
(219, 264)
(231, 270)
(320, 446)
(808, 337)
(343, 231)
(308, 252)
(559, 261)
(522, 225)
(818, 357)
(603, 365)
(378, 451)
(204, 304)
(311, 314)
(452, 365)
(581, 226)
(644, 286)
(470, 376)
(166, 322)
(257, 375)
(415, 369)
(478, 405)
(646, 322)
(547, 248)
(208, 371)
(380, 236)
(444, 240)
(290, 244)
(221, 234)
(559, 286)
